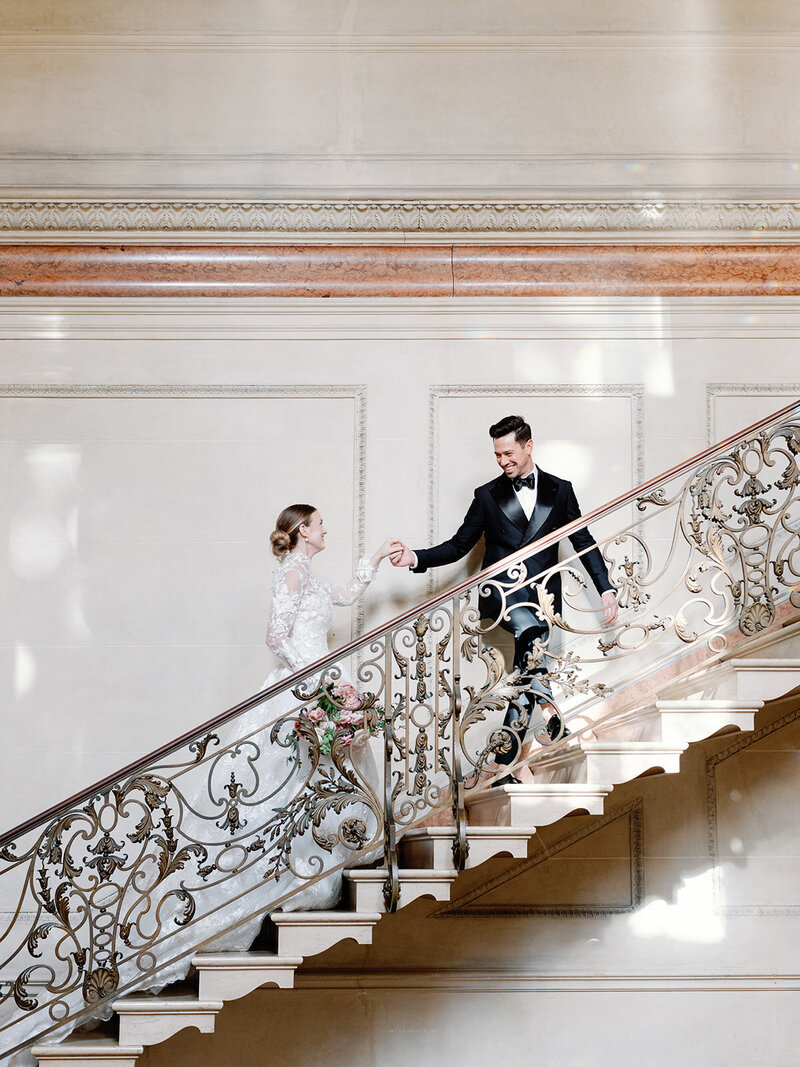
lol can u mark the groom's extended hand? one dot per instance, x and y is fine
(402, 557)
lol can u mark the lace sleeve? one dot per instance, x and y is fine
(346, 594)
(286, 593)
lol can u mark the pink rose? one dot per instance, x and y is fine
(315, 714)
(347, 695)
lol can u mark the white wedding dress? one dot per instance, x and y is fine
(229, 912)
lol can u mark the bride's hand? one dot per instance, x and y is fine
(388, 548)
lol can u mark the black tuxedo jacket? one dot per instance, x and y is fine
(495, 513)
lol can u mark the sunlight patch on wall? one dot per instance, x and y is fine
(693, 917)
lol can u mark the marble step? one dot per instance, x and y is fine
(432, 846)
(147, 1020)
(681, 721)
(535, 805)
(304, 933)
(614, 761)
(363, 889)
(100, 1051)
(230, 975)
(765, 679)
(684, 721)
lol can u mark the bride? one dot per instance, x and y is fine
(233, 826)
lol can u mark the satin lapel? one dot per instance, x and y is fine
(546, 491)
(506, 499)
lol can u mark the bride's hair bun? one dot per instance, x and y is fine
(287, 527)
(281, 543)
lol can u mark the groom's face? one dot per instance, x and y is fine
(515, 458)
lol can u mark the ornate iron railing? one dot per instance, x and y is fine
(118, 887)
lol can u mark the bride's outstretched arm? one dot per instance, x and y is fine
(365, 572)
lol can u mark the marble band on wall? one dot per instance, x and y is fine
(397, 271)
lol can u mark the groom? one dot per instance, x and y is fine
(516, 509)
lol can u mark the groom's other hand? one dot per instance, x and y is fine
(403, 557)
(610, 606)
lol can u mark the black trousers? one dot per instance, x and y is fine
(526, 627)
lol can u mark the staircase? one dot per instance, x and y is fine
(677, 683)
(501, 823)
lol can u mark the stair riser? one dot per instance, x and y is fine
(235, 983)
(538, 811)
(140, 1029)
(684, 727)
(765, 684)
(437, 853)
(309, 941)
(616, 768)
(368, 896)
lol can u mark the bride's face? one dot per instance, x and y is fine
(313, 534)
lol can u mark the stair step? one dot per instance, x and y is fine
(147, 1020)
(304, 933)
(535, 805)
(432, 846)
(765, 679)
(364, 887)
(621, 761)
(230, 975)
(85, 1049)
(684, 721)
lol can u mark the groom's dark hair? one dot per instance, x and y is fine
(511, 424)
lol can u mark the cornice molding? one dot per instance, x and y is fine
(329, 220)
(187, 41)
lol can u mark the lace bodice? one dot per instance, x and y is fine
(302, 608)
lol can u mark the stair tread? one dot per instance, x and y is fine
(321, 917)
(141, 1002)
(408, 873)
(712, 705)
(253, 959)
(472, 831)
(775, 664)
(86, 1043)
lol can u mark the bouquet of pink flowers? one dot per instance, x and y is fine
(339, 713)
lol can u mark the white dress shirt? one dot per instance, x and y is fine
(527, 497)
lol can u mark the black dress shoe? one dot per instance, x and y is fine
(507, 779)
(556, 728)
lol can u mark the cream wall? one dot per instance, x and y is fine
(146, 448)
(398, 99)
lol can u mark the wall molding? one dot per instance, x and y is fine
(184, 391)
(469, 906)
(511, 980)
(187, 41)
(632, 391)
(741, 744)
(717, 389)
(644, 216)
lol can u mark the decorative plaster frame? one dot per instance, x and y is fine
(356, 393)
(633, 391)
(715, 389)
(741, 743)
(461, 909)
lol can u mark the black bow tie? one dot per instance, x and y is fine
(529, 481)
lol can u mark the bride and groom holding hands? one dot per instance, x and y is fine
(515, 509)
